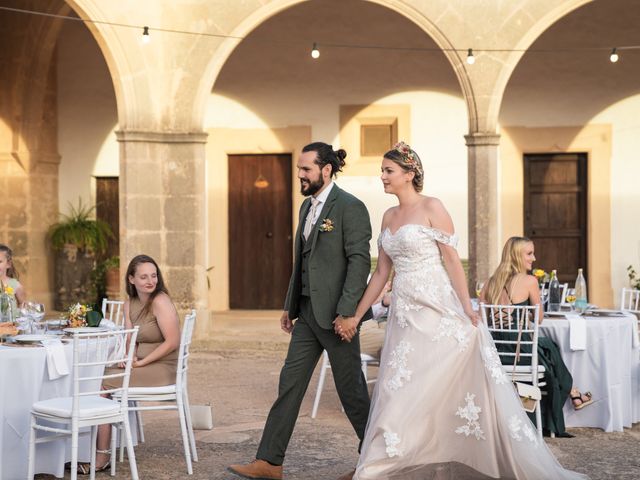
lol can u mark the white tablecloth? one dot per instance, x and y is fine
(609, 368)
(24, 381)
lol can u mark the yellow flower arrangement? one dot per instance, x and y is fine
(77, 315)
(540, 275)
(9, 290)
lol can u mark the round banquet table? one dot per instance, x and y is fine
(609, 367)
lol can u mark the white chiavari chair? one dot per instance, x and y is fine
(86, 407)
(505, 322)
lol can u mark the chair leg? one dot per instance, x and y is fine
(185, 436)
(323, 373)
(140, 426)
(74, 451)
(192, 438)
(121, 437)
(114, 437)
(94, 446)
(130, 453)
(539, 419)
(32, 449)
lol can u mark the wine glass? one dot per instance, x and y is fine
(38, 315)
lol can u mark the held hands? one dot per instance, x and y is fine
(345, 327)
(285, 323)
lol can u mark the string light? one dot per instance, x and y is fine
(614, 55)
(470, 58)
(146, 38)
(315, 53)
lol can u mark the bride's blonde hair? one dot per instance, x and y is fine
(511, 264)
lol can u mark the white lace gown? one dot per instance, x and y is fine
(443, 406)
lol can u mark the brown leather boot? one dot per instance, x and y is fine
(258, 470)
(347, 476)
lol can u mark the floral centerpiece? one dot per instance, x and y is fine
(7, 303)
(77, 315)
(541, 276)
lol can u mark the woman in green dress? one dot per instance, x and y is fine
(512, 285)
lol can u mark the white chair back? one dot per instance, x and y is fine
(113, 310)
(506, 323)
(93, 353)
(185, 346)
(630, 300)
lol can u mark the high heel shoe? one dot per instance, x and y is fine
(85, 468)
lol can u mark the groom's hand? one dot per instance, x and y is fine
(345, 327)
(285, 322)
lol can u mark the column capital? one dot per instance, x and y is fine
(482, 138)
(147, 136)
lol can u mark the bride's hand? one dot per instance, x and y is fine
(345, 327)
(474, 317)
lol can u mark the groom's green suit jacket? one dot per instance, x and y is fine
(339, 261)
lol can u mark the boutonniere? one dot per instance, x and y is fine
(327, 225)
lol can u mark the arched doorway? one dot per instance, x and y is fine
(271, 97)
(560, 105)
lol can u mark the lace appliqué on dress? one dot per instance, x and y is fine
(452, 327)
(392, 440)
(471, 413)
(402, 308)
(398, 363)
(494, 365)
(517, 427)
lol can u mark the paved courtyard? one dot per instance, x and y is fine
(237, 372)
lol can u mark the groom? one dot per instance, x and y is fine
(329, 276)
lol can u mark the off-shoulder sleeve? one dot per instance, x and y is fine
(445, 238)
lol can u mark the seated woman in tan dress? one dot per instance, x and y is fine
(156, 357)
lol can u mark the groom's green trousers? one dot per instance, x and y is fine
(308, 340)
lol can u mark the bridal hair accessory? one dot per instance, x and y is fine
(410, 159)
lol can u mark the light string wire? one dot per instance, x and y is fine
(147, 28)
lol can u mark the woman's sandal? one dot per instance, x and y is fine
(85, 468)
(580, 398)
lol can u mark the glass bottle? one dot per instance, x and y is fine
(581, 292)
(554, 292)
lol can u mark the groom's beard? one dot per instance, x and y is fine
(308, 188)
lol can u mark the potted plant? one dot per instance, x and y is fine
(112, 277)
(77, 238)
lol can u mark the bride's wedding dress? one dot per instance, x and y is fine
(443, 406)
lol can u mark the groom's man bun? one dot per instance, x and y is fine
(326, 155)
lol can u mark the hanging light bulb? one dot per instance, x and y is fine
(614, 55)
(315, 53)
(470, 58)
(146, 38)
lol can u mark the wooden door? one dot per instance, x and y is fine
(555, 211)
(107, 210)
(260, 230)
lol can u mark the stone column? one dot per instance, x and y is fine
(484, 244)
(162, 210)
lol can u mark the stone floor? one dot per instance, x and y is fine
(236, 371)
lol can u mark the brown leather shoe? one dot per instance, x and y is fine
(347, 476)
(258, 470)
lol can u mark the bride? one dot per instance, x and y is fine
(443, 406)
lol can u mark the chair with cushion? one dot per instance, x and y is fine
(505, 322)
(113, 310)
(86, 407)
(172, 397)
